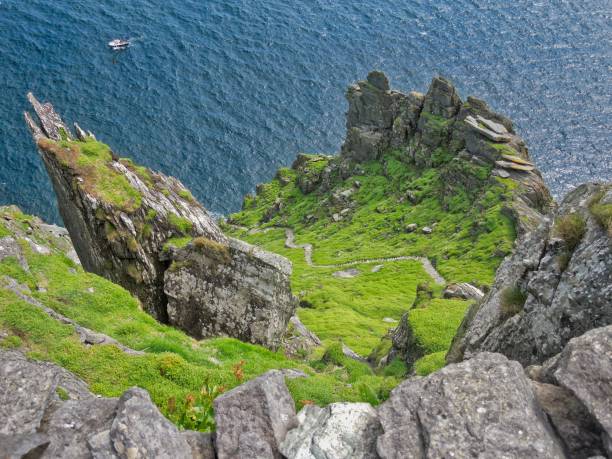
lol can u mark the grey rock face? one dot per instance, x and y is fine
(338, 431)
(236, 290)
(567, 292)
(585, 368)
(442, 98)
(140, 431)
(253, 419)
(463, 290)
(575, 427)
(34, 420)
(129, 246)
(482, 407)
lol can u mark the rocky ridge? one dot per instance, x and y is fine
(146, 232)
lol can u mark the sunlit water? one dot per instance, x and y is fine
(221, 93)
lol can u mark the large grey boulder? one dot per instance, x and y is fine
(566, 291)
(35, 420)
(338, 431)
(236, 290)
(482, 407)
(253, 419)
(585, 368)
(140, 431)
(128, 238)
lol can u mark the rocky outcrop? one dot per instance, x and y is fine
(584, 368)
(253, 419)
(252, 281)
(35, 420)
(124, 221)
(556, 285)
(338, 431)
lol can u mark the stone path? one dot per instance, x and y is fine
(307, 248)
(427, 266)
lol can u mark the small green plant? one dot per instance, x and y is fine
(602, 212)
(11, 342)
(214, 250)
(570, 228)
(512, 301)
(182, 224)
(198, 413)
(186, 195)
(62, 393)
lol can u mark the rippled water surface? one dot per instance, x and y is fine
(220, 93)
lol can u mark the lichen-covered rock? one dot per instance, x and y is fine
(577, 430)
(585, 368)
(253, 419)
(338, 431)
(236, 290)
(546, 292)
(463, 290)
(122, 219)
(482, 407)
(34, 419)
(140, 431)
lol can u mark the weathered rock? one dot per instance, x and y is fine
(139, 430)
(566, 291)
(585, 368)
(201, 444)
(482, 407)
(125, 238)
(298, 339)
(236, 290)
(464, 291)
(9, 247)
(426, 230)
(253, 419)
(442, 99)
(347, 273)
(574, 426)
(20, 446)
(338, 431)
(411, 227)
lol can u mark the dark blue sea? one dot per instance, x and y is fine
(220, 93)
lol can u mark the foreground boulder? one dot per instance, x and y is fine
(483, 407)
(338, 431)
(35, 420)
(584, 368)
(127, 224)
(253, 419)
(556, 285)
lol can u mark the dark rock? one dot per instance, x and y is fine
(253, 419)
(562, 302)
(378, 80)
(20, 446)
(338, 431)
(139, 430)
(442, 98)
(585, 368)
(482, 407)
(577, 430)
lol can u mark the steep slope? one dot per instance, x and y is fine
(556, 285)
(146, 232)
(428, 177)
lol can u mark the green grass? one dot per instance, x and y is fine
(571, 229)
(471, 235)
(512, 301)
(602, 212)
(91, 160)
(182, 224)
(174, 365)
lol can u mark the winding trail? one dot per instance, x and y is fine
(307, 248)
(427, 266)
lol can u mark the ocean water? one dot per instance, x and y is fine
(220, 93)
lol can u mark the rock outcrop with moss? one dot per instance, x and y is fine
(556, 285)
(129, 224)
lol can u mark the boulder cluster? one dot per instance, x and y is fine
(161, 244)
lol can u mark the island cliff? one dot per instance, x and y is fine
(448, 306)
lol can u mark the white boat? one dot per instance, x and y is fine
(119, 43)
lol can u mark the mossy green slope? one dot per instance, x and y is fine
(460, 201)
(173, 365)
